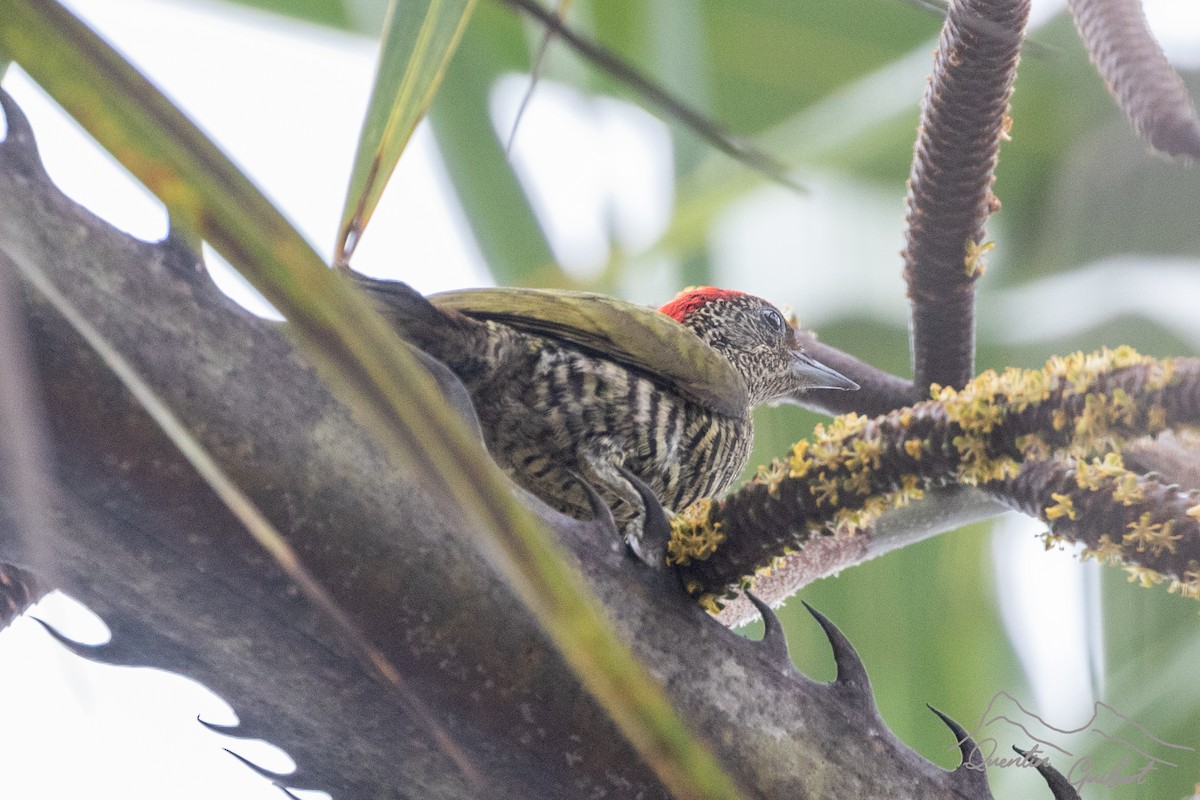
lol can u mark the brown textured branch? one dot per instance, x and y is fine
(879, 392)
(1137, 74)
(23, 470)
(950, 188)
(838, 485)
(1123, 518)
(940, 511)
(1174, 456)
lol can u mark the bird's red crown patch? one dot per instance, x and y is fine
(694, 298)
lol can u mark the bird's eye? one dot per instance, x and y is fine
(775, 320)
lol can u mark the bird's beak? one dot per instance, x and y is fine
(815, 375)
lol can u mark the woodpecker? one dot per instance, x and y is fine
(574, 386)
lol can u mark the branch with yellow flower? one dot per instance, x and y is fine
(1046, 442)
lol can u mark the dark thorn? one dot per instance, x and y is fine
(651, 547)
(850, 669)
(601, 514)
(971, 774)
(247, 728)
(106, 653)
(1060, 787)
(20, 132)
(774, 641)
(78, 648)
(274, 777)
(121, 649)
(243, 732)
(224, 730)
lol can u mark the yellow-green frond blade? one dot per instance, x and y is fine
(419, 36)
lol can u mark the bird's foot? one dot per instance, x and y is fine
(651, 546)
(602, 515)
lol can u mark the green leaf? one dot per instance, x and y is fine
(497, 208)
(418, 39)
(361, 16)
(362, 361)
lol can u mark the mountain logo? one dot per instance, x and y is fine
(1109, 749)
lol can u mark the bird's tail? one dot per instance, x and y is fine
(442, 333)
(438, 336)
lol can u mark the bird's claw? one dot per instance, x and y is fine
(601, 514)
(651, 546)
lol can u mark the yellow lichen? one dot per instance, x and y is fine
(826, 451)
(1122, 407)
(849, 522)
(915, 447)
(864, 454)
(825, 490)
(1077, 373)
(1063, 506)
(975, 408)
(910, 489)
(858, 482)
(1145, 575)
(1097, 473)
(873, 507)
(1152, 536)
(1189, 585)
(1106, 552)
(1161, 375)
(1128, 490)
(1183, 589)
(798, 463)
(847, 425)
(972, 448)
(1033, 447)
(693, 536)
(973, 260)
(1094, 426)
(772, 475)
(1024, 388)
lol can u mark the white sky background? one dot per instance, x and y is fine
(285, 100)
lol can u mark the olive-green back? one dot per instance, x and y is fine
(638, 337)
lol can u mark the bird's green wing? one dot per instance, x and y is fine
(633, 335)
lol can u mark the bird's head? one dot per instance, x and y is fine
(757, 339)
